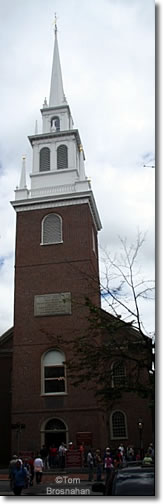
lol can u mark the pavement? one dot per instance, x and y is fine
(72, 481)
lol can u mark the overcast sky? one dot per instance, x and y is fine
(107, 58)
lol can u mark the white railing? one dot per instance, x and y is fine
(48, 191)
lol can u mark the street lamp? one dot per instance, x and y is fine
(140, 427)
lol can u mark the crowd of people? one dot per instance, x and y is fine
(23, 471)
(113, 459)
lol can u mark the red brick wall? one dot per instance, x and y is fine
(5, 402)
(68, 267)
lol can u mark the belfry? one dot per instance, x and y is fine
(56, 267)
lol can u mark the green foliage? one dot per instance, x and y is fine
(110, 340)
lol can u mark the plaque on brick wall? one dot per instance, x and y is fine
(52, 304)
(84, 437)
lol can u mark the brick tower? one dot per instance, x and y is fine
(56, 267)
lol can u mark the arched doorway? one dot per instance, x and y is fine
(54, 432)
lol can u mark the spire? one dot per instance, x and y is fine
(22, 184)
(57, 96)
(36, 127)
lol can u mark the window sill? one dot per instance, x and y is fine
(51, 243)
(118, 437)
(54, 394)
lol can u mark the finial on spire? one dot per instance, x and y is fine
(57, 97)
(55, 23)
(45, 103)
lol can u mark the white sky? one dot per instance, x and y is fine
(107, 58)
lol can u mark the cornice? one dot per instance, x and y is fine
(45, 110)
(60, 201)
(54, 135)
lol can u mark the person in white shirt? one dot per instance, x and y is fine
(38, 468)
(62, 455)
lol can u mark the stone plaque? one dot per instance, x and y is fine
(52, 304)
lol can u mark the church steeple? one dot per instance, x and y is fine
(58, 170)
(57, 96)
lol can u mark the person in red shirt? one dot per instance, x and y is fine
(53, 456)
(81, 449)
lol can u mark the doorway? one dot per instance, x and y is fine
(54, 433)
(55, 438)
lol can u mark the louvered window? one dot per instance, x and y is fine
(52, 229)
(44, 159)
(118, 425)
(62, 157)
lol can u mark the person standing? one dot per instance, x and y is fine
(12, 466)
(53, 456)
(151, 451)
(62, 455)
(44, 455)
(98, 462)
(38, 468)
(90, 463)
(108, 464)
(81, 449)
(20, 478)
(147, 460)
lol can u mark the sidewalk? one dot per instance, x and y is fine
(49, 476)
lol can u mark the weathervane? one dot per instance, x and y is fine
(55, 22)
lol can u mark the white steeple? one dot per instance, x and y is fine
(22, 192)
(57, 96)
(58, 171)
(22, 184)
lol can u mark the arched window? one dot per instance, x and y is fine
(51, 229)
(55, 123)
(44, 159)
(62, 157)
(118, 424)
(53, 370)
(118, 374)
(55, 424)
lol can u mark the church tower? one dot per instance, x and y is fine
(56, 268)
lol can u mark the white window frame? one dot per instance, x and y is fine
(43, 393)
(111, 425)
(42, 229)
(52, 119)
(112, 373)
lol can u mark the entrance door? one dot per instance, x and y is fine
(55, 432)
(55, 438)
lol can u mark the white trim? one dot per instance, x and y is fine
(42, 231)
(43, 393)
(117, 361)
(43, 431)
(51, 243)
(111, 424)
(71, 199)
